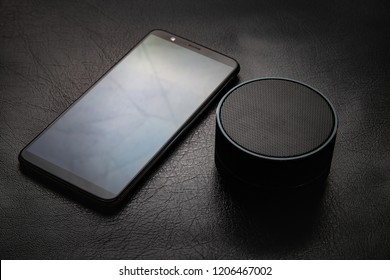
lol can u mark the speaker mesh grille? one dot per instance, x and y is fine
(277, 118)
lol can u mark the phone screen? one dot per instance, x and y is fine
(110, 134)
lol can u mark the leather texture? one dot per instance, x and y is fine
(52, 51)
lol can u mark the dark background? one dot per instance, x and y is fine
(52, 51)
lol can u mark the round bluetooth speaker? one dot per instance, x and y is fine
(275, 134)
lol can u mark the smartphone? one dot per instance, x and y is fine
(107, 140)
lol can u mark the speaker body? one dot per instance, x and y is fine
(275, 134)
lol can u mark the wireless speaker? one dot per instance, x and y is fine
(275, 134)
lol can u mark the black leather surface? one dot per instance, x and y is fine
(51, 51)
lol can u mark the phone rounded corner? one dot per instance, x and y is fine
(109, 200)
(22, 157)
(236, 65)
(158, 31)
(108, 204)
